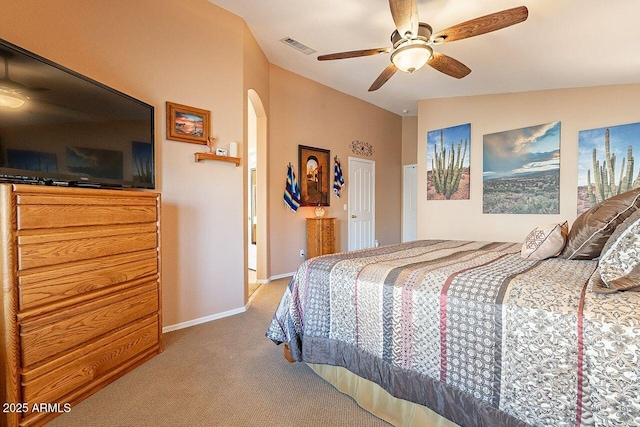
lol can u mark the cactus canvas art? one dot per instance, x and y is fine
(448, 153)
(521, 171)
(606, 166)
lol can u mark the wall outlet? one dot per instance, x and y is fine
(301, 253)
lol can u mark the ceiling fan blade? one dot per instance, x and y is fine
(482, 25)
(449, 66)
(354, 54)
(405, 16)
(383, 77)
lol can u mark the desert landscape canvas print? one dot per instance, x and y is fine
(521, 171)
(606, 166)
(448, 154)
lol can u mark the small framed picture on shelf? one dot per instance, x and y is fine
(221, 152)
(187, 124)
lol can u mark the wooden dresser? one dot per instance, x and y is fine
(320, 236)
(80, 301)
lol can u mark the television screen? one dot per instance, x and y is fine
(58, 127)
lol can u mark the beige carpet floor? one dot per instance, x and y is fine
(221, 373)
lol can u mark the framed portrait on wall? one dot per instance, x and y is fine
(314, 176)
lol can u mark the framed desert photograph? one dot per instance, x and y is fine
(314, 176)
(448, 154)
(521, 171)
(187, 124)
(606, 163)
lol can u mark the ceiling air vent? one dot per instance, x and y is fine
(297, 45)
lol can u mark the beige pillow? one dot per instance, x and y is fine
(545, 242)
(591, 230)
(630, 282)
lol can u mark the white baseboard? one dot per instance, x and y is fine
(281, 276)
(205, 319)
(272, 278)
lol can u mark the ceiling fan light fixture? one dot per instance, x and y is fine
(11, 99)
(411, 56)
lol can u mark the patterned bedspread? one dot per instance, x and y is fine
(472, 331)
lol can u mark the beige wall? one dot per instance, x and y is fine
(576, 109)
(154, 51)
(307, 113)
(256, 80)
(409, 138)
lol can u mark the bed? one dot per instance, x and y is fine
(476, 331)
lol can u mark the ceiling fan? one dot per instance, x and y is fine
(412, 41)
(12, 93)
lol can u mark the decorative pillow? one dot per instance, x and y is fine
(591, 230)
(619, 264)
(545, 242)
(597, 285)
(630, 282)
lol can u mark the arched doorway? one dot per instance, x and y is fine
(257, 215)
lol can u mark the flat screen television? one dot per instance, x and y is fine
(58, 127)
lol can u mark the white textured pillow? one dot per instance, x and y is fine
(545, 242)
(620, 259)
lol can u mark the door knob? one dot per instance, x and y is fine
(353, 216)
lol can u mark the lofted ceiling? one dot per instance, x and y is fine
(562, 44)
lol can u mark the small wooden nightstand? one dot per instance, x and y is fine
(320, 236)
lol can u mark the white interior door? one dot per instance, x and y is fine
(362, 195)
(410, 204)
(252, 260)
(252, 202)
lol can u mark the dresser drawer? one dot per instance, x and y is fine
(35, 217)
(53, 381)
(37, 250)
(42, 286)
(61, 332)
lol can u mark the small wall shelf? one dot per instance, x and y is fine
(210, 156)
